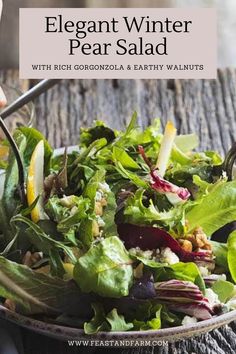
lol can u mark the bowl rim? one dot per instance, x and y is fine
(65, 332)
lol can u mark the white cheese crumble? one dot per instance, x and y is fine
(167, 256)
(104, 187)
(100, 221)
(187, 320)
(216, 277)
(212, 297)
(98, 196)
(231, 304)
(203, 270)
(136, 251)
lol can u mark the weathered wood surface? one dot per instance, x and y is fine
(207, 107)
(220, 341)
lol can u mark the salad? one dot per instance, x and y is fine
(131, 230)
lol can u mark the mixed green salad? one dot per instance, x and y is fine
(131, 230)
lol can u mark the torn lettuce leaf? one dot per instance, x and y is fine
(135, 212)
(154, 321)
(215, 209)
(224, 289)
(112, 276)
(220, 251)
(231, 255)
(186, 142)
(113, 321)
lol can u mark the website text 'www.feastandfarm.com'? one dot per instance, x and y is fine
(117, 343)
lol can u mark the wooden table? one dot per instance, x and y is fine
(207, 107)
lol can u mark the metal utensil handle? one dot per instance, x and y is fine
(28, 96)
(229, 161)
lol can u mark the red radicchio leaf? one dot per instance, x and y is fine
(160, 184)
(177, 295)
(184, 296)
(199, 310)
(149, 238)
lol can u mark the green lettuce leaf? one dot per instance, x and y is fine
(105, 269)
(93, 185)
(26, 140)
(177, 156)
(231, 256)
(98, 322)
(10, 201)
(182, 175)
(215, 209)
(136, 212)
(203, 187)
(101, 322)
(170, 319)
(220, 251)
(186, 142)
(123, 157)
(224, 290)
(131, 176)
(154, 321)
(117, 322)
(11, 178)
(108, 217)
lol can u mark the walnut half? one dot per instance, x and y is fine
(196, 241)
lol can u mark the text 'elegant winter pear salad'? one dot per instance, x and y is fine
(118, 234)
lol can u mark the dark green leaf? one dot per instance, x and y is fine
(88, 136)
(40, 239)
(34, 292)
